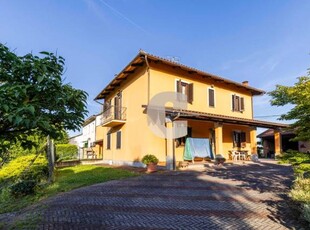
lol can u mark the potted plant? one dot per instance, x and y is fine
(219, 159)
(151, 162)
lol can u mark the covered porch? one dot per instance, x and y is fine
(232, 137)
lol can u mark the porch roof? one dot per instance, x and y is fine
(195, 115)
(270, 133)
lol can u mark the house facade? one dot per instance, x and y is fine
(89, 146)
(216, 108)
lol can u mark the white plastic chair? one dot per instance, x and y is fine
(234, 155)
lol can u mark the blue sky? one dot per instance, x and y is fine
(264, 42)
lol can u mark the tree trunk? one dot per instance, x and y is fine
(50, 158)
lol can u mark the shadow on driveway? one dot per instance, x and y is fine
(238, 197)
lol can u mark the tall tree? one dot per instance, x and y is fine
(298, 96)
(34, 99)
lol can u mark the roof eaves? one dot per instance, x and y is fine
(114, 82)
(117, 77)
(216, 77)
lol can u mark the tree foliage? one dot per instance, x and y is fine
(298, 96)
(34, 99)
(63, 138)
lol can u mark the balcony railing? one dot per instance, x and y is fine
(113, 116)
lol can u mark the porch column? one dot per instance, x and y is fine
(218, 138)
(253, 140)
(170, 149)
(277, 142)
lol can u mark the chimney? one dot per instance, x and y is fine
(245, 83)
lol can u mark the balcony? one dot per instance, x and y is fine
(113, 116)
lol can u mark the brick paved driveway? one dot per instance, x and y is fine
(239, 197)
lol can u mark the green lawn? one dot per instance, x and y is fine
(66, 179)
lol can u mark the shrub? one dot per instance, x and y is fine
(147, 159)
(301, 190)
(302, 168)
(16, 169)
(294, 157)
(66, 152)
(306, 212)
(22, 188)
(37, 171)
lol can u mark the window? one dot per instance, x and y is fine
(239, 139)
(187, 89)
(181, 140)
(118, 139)
(237, 103)
(211, 97)
(109, 141)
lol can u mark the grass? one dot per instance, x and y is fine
(66, 179)
(82, 175)
(300, 192)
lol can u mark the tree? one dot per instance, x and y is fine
(63, 138)
(35, 100)
(16, 150)
(299, 97)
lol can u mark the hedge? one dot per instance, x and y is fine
(14, 169)
(66, 152)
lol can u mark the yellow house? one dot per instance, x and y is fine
(217, 108)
